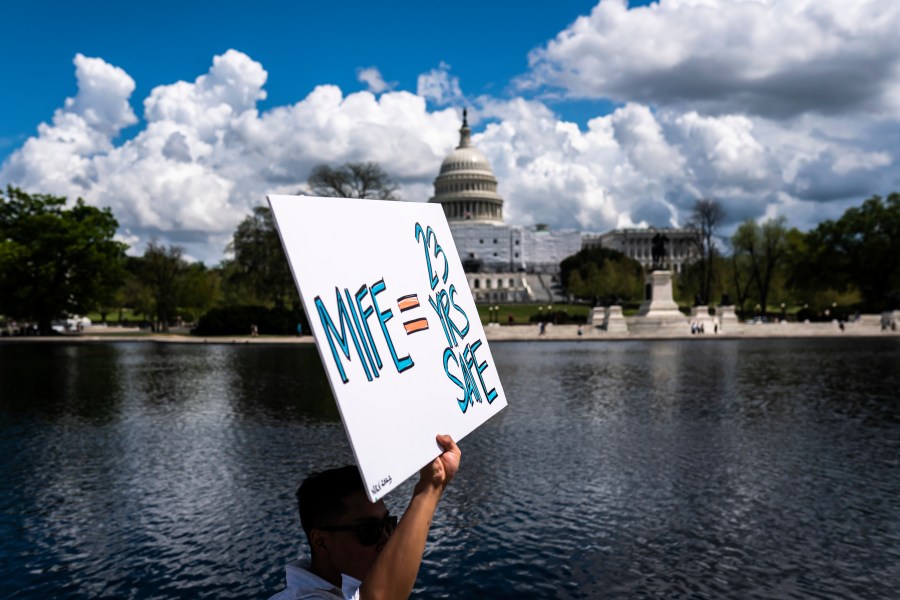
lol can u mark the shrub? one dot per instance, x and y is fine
(237, 320)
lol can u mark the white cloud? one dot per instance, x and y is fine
(206, 155)
(772, 107)
(60, 155)
(552, 172)
(439, 86)
(102, 99)
(207, 106)
(641, 137)
(764, 57)
(375, 83)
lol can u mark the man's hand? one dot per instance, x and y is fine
(441, 470)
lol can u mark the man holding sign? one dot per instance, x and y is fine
(406, 356)
(356, 550)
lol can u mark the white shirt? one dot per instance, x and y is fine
(302, 583)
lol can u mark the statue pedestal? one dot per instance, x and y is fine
(700, 315)
(728, 320)
(614, 320)
(659, 310)
(597, 316)
(658, 295)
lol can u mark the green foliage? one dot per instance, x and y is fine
(601, 275)
(690, 284)
(260, 268)
(165, 287)
(237, 320)
(861, 250)
(758, 251)
(133, 293)
(159, 270)
(352, 180)
(706, 217)
(199, 289)
(55, 261)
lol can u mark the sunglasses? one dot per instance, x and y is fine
(368, 533)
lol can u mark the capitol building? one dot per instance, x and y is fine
(513, 263)
(503, 263)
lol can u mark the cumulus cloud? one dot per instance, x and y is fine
(176, 148)
(636, 167)
(439, 86)
(551, 171)
(207, 106)
(764, 57)
(206, 155)
(772, 107)
(60, 155)
(102, 100)
(375, 83)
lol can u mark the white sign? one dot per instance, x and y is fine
(396, 327)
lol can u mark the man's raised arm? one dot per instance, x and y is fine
(394, 572)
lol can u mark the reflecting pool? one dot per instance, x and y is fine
(689, 468)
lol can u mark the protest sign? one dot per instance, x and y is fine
(395, 325)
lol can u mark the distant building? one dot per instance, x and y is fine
(681, 247)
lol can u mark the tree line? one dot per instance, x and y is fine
(842, 266)
(58, 260)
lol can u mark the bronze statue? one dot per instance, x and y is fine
(658, 250)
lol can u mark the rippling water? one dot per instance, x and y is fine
(695, 468)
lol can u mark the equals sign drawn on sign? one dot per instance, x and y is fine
(410, 302)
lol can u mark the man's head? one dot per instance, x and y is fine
(345, 531)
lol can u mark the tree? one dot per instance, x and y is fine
(741, 278)
(705, 220)
(762, 248)
(159, 270)
(602, 275)
(198, 290)
(862, 250)
(352, 180)
(55, 261)
(133, 293)
(694, 275)
(260, 264)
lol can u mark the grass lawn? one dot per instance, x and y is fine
(113, 316)
(522, 313)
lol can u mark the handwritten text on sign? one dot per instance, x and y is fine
(359, 313)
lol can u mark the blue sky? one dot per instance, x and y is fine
(182, 116)
(301, 45)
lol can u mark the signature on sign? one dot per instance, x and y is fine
(376, 487)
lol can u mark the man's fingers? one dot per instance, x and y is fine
(446, 442)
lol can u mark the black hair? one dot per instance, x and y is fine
(320, 496)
